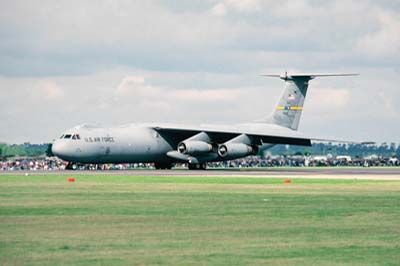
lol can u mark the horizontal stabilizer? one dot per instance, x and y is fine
(287, 76)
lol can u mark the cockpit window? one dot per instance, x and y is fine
(71, 136)
(76, 136)
(62, 136)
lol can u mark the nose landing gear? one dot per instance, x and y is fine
(71, 166)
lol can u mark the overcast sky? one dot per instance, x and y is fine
(64, 63)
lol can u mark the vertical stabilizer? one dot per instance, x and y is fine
(288, 111)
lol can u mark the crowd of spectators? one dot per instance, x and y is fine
(309, 161)
(32, 164)
(54, 164)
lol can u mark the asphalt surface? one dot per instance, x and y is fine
(378, 173)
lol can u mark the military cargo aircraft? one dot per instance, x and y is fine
(166, 144)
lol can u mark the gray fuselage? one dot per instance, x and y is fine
(128, 144)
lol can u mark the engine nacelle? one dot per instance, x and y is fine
(193, 147)
(235, 150)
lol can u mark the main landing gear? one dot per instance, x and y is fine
(197, 166)
(160, 166)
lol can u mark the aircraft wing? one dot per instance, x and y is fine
(259, 133)
(205, 143)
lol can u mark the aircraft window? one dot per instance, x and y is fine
(68, 136)
(62, 136)
(76, 136)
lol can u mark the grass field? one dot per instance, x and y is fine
(122, 220)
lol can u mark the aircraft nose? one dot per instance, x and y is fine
(58, 148)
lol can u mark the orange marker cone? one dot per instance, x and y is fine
(288, 181)
(71, 179)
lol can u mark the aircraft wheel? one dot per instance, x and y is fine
(160, 166)
(197, 166)
(71, 166)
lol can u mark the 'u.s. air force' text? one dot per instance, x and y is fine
(99, 139)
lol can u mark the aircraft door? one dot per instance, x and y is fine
(104, 150)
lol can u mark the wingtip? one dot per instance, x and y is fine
(270, 75)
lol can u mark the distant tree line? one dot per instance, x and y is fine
(26, 149)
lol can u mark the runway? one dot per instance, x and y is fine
(376, 173)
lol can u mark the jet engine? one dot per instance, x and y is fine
(193, 147)
(235, 150)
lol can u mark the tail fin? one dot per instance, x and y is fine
(288, 111)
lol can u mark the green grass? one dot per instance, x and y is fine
(133, 220)
(263, 168)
